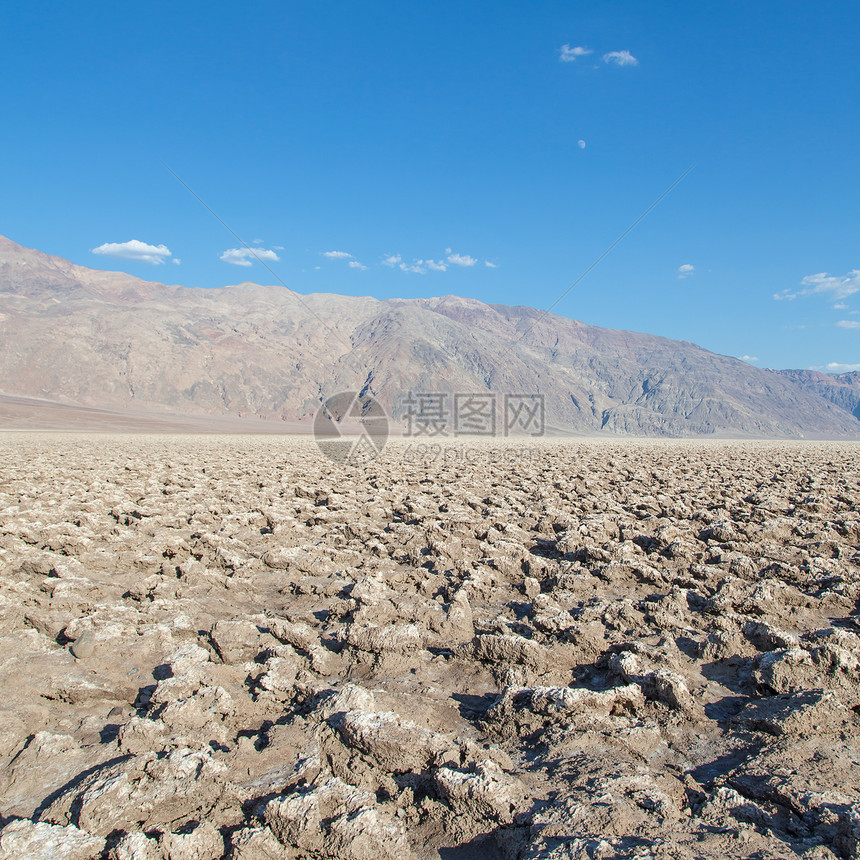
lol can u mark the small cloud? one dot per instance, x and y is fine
(570, 55)
(848, 324)
(392, 260)
(620, 58)
(278, 247)
(840, 306)
(415, 268)
(686, 270)
(749, 358)
(134, 250)
(460, 259)
(490, 265)
(246, 256)
(784, 296)
(354, 264)
(337, 255)
(436, 265)
(176, 261)
(258, 242)
(581, 144)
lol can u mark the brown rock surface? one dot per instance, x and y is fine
(230, 646)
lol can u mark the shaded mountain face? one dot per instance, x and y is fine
(842, 389)
(112, 341)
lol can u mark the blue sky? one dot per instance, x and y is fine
(491, 150)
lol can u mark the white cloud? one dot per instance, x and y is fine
(848, 324)
(620, 58)
(337, 255)
(422, 266)
(836, 367)
(840, 306)
(832, 287)
(177, 261)
(581, 144)
(246, 256)
(354, 264)
(490, 265)
(749, 358)
(460, 259)
(570, 55)
(686, 270)
(134, 250)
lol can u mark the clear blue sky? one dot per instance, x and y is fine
(456, 132)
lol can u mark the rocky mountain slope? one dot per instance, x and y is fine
(112, 341)
(842, 389)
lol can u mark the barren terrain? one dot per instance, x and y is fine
(229, 646)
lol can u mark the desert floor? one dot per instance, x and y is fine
(231, 646)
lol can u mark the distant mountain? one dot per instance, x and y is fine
(842, 389)
(108, 340)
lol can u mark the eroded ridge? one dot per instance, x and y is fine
(229, 646)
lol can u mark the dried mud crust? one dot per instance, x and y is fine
(231, 647)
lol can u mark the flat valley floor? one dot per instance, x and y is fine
(230, 646)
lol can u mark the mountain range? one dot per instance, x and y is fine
(81, 340)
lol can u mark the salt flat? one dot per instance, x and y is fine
(231, 646)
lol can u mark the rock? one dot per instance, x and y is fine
(726, 806)
(398, 639)
(847, 841)
(815, 713)
(397, 745)
(238, 641)
(486, 791)
(136, 846)
(337, 820)
(42, 841)
(565, 705)
(204, 842)
(84, 646)
(531, 587)
(257, 843)
(660, 685)
(511, 649)
(280, 675)
(784, 671)
(300, 636)
(350, 697)
(157, 789)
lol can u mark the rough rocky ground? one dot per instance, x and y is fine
(229, 646)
